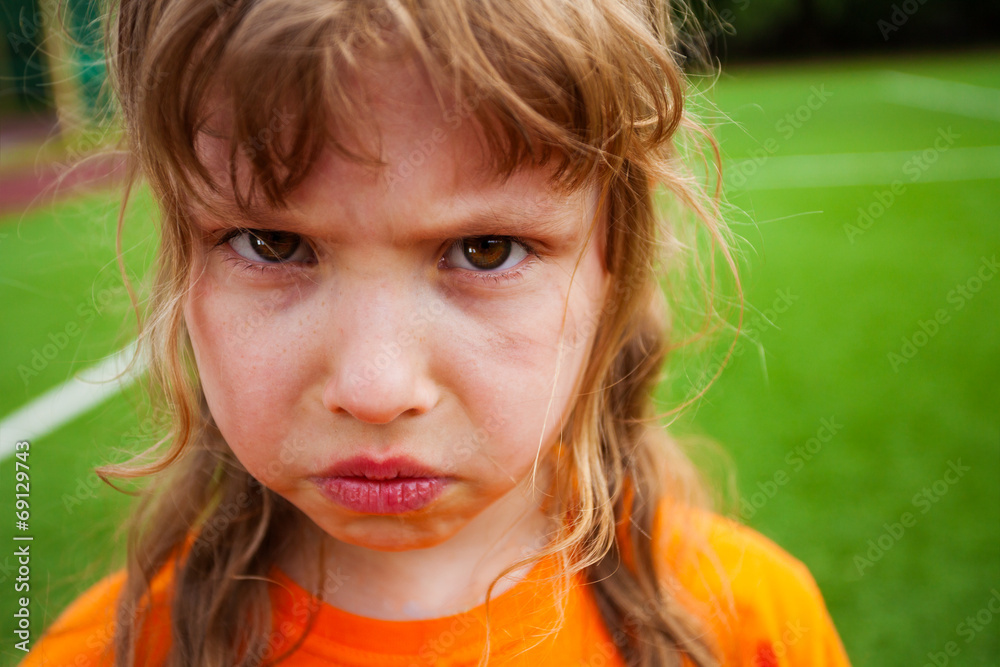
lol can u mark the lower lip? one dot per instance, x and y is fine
(382, 496)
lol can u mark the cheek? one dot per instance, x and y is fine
(242, 351)
(587, 305)
(503, 365)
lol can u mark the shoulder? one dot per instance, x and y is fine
(763, 603)
(82, 636)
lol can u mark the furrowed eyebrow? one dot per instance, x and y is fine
(230, 215)
(504, 220)
(501, 222)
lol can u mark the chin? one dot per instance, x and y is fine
(392, 535)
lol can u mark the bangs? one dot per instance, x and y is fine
(577, 86)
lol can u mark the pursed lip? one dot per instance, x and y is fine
(391, 486)
(369, 468)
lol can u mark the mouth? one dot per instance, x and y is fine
(392, 486)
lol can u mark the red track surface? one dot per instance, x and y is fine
(31, 183)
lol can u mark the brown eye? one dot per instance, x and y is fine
(274, 246)
(268, 246)
(486, 253)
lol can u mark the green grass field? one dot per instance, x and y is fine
(864, 429)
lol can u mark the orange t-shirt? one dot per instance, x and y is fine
(768, 613)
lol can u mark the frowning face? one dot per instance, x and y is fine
(384, 354)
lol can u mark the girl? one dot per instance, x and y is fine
(407, 322)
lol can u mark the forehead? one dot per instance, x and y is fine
(434, 160)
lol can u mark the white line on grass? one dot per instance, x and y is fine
(59, 405)
(924, 92)
(845, 169)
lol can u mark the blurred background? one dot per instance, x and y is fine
(860, 408)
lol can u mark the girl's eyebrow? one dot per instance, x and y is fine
(514, 221)
(542, 220)
(253, 217)
(508, 219)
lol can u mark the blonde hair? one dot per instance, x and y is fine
(592, 87)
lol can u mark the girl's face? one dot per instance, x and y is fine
(383, 354)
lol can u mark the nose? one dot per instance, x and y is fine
(379, 359)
